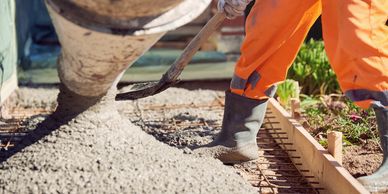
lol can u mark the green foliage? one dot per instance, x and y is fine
(308, 101)
(324, 115)
(324, 143)
(326, 112)
(287, 90)
(312, 70)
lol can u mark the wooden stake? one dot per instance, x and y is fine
(334, 139)
(295, 108)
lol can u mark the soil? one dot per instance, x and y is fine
(362, 160)
(102, 151)
(363, 155)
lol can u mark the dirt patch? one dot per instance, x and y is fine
(362, 160)
(101, 151)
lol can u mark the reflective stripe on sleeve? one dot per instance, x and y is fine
(363, 94)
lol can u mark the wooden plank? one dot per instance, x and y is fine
(331, 175)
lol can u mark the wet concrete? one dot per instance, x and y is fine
(193, 126)
(100, 151)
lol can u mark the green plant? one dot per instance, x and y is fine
(308, 101)
(323, 142)
(312, 70)
(356, 124)
(287, 90)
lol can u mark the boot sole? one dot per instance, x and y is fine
(240, 155)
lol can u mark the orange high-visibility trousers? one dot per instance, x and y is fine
(355, 33)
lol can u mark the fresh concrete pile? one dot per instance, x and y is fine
(100, 151)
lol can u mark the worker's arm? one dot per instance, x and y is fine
(233, 8)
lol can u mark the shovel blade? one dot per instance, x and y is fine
(142, 90)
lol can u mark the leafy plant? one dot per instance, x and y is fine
(286, 91)
(312, 70)
(308, 101)
(324, 143)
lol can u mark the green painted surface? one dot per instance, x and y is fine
(168, 56)
(151, 66)
(46, 57)
(200, 71)
(8, 53)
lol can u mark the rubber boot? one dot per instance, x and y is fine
(378, 181)
(236, 143)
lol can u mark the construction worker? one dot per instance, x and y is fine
(356, 41)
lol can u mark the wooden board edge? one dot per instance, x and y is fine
(331, 175)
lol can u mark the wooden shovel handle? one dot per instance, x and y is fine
(170, 77)
(177, 67)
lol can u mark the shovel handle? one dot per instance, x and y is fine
(170, 77)
(177, 67)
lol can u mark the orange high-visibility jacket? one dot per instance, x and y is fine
(355, 33)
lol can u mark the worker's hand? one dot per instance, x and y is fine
(233, 8)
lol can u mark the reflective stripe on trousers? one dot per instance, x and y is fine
(239, 83)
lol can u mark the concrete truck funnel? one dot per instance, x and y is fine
(101, 38)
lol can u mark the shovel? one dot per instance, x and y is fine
(170, 78)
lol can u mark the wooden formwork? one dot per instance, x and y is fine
(320, 164)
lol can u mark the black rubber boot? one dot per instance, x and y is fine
(378, 181)
(236, 143)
